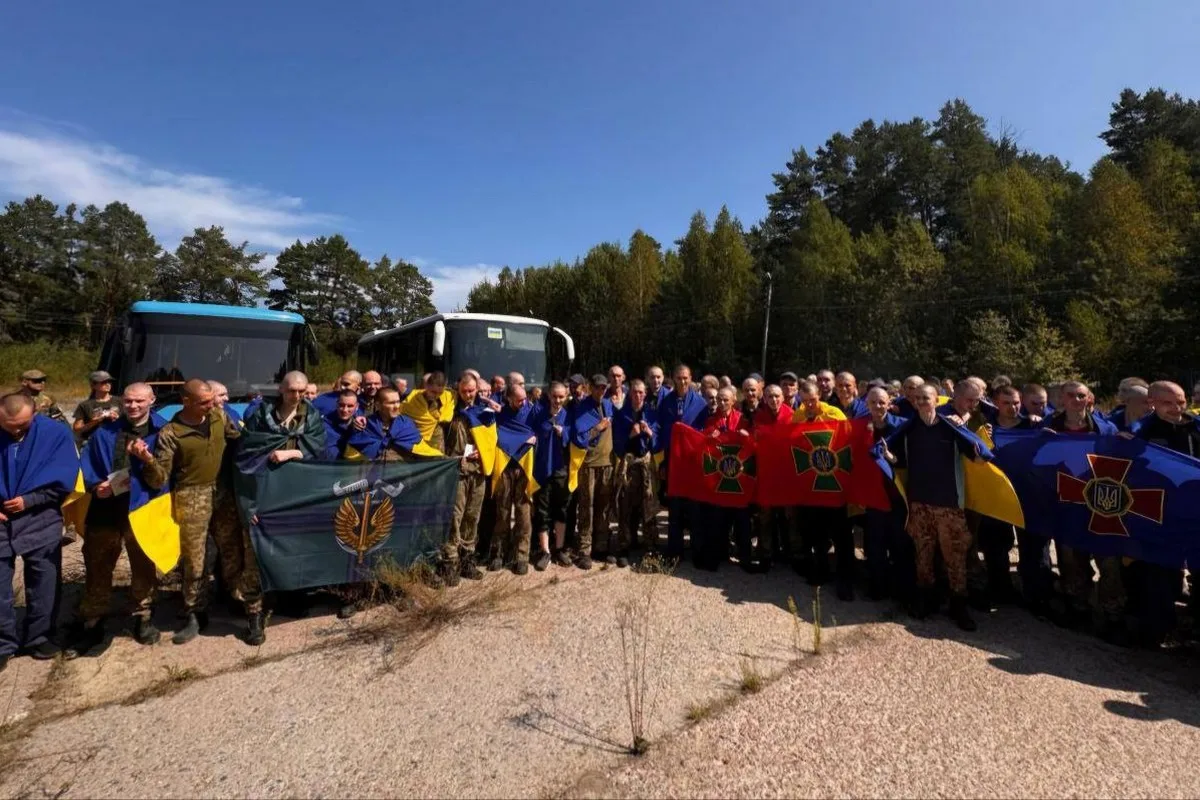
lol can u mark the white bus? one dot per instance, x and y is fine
(494, 344)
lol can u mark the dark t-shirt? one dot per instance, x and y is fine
(1183, 437)
(932, 477)
(90, 408)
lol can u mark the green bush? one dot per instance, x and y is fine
(67, 365)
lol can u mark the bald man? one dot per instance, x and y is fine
(326, 403)
(31, 521)
(108, 524)
(189, 453)
(1173, 427)
(372, 382)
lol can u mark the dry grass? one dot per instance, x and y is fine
(639, 652)
(816, 623)
(752, 681)
(177, 678)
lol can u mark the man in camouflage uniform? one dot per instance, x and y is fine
(636, 494)
(33, 383)
(108, 528)
(458, 556)
(511, 537)
(189, 453)
(290, 414)
(225, 542)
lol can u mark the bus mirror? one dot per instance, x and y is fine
(569, 342)
(439, 339)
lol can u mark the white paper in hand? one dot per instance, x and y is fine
(119, 481)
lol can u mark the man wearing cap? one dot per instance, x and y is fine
(33, 384)
(789, 383)
(99, 408)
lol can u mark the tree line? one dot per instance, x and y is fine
(916, 246)
(67, 275)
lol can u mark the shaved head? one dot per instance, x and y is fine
(16, 414)
(196, 388)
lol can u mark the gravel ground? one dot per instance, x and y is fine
(528, 700)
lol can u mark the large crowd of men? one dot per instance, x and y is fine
(601, 448)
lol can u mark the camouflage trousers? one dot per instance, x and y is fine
(101, 551)
(946, 529)
(464, 525)
(1076, 574)
(514, 517)
(239, 568)
(636, 500)
(594, 507)
(193, 507)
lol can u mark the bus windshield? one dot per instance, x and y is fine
(496, 348)
(248, 356)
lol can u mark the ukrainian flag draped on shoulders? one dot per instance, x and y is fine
(982, 487)
(45, 459)
(400, 434)
(481, 423)
(550, 453)
(262, 435)
(587, 415)
(513, 445)
(151, 516)
(423, 413)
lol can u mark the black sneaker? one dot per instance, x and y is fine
(44, 651)
(543, 561)
(563, 559)
(521, 568)
(584, 562)
(450, 574)
(144, 632)
(496, 564)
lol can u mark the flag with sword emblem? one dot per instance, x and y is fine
(327, 523)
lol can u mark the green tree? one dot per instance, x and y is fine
(39, 284)
(118, 261)
(207, 268)
(400, 292)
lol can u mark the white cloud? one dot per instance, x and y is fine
(70, 169)
(452, 284)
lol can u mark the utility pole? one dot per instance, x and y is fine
(766, 328)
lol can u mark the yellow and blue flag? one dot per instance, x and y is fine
(481, 422)
(1107, 495)
(151, 514)
(587, 415)
(512, 444)
(401, 434)
(418, 408)
(983, 487)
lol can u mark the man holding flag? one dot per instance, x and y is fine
(39, 467)
(471, 438)
(817, 525)
(513, 485)
(550, 426)
(592, 461)
(108, 473)
(342, 423)
(431, 410)
(635, 429)
(929, 447)
(276, 432)
(683, 405)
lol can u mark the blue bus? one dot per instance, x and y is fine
(247, 349)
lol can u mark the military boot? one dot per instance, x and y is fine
(469, 569)
(144, 631)
(256, 629)
(960, 614)
(189, 631)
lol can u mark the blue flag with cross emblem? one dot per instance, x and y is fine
(1104, 494)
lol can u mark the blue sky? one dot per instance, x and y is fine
(468, 135)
